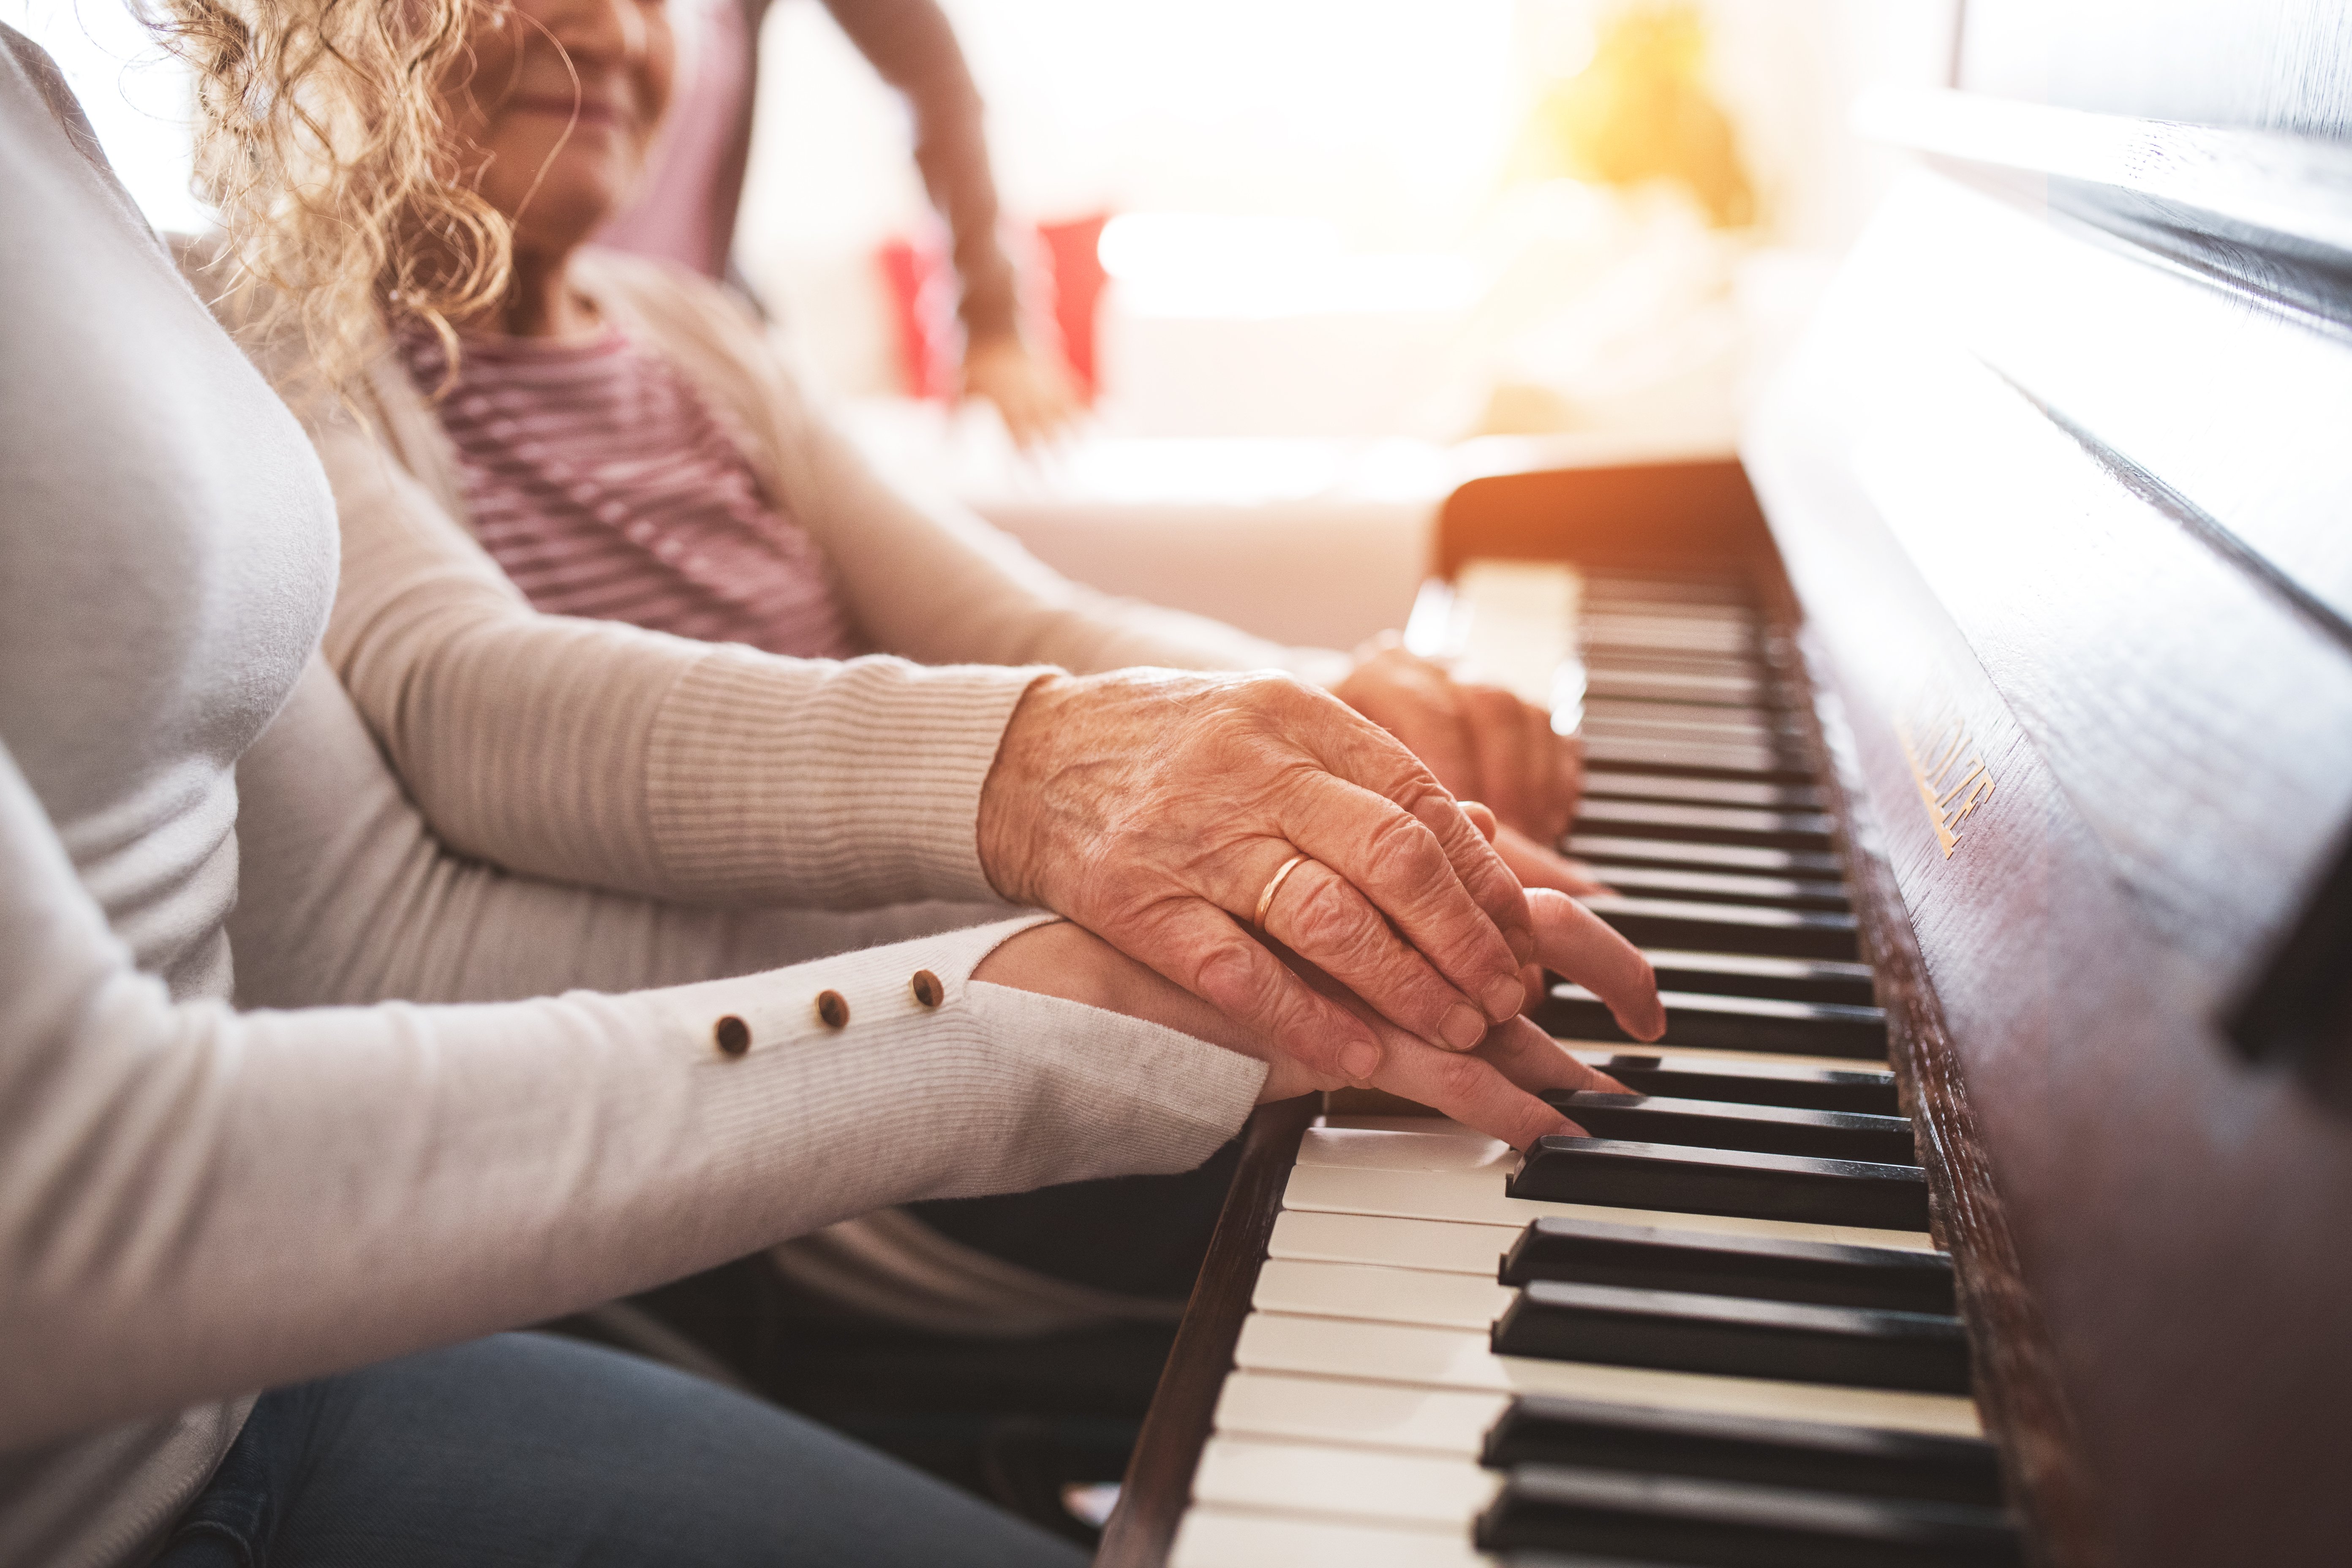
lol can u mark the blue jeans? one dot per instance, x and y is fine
(526, 1451)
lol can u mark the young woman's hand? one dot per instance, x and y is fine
(1481, 742)
(1036, 397)
(1538, 866)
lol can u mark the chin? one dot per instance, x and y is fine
(561, 214)
(551, 191)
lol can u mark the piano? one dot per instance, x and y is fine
(1973, 757)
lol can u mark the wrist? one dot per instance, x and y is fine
(1011, 828)
(1068, 962)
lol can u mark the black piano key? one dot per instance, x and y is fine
(1706, 823)
(1675, 686)
(1634, 849)
(1612, 783)
(1683, 1179)
(1544, 1508)
(1755, 1083)
(1811, 1456)
(1656, 649)
(1719, 1124)
(1722, 887)
(1767, 1268)
(1732, 1336)
(1759, 974)
(1695, 592)
(1610, 631)
(1704, 1021)
(1695, 760)
(1729, 928)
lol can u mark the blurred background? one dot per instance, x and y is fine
(1318, 260)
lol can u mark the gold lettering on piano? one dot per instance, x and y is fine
(1949, 771)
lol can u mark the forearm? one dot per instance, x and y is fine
(345, 897)
(594, 752)
(217, 1202)
(205, 1202)
(913, 47)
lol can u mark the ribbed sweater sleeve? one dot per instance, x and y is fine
(203, 1201)
(596, 753)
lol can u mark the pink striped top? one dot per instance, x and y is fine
(602, 483)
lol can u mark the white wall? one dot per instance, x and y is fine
(1386, 120)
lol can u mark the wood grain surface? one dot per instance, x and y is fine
(1159, 1482)
(2016, 1384)
(2169, 739)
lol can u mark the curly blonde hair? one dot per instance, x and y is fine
(317, 139)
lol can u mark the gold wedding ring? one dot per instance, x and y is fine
(1273, 886)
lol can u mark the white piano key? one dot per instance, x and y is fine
(1355, 1484)
(1432, 1125)
(1380, 1295)
(1311, 1236)
(1477, 1198)
(1703, 1058)
(1370, 1414)
(1461, 1359)
(1367, 1149)
(1214, 1536)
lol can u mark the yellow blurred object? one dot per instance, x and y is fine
(1640, 110)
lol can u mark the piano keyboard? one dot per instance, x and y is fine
(1715, 1333)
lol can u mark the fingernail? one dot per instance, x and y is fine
(1503, 998)
(1461, 1027)
(1361, 1061)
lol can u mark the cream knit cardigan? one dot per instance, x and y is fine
(198, 1200)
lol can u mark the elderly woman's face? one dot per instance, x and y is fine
(554, 112)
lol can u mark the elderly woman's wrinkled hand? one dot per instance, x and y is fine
(1157, 808)
(1482, 741)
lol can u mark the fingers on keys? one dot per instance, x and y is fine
(1494, 1088)
(1571, 940)
(1532, 1059)
(1537, 866)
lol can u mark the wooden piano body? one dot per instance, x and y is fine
(2052, 513)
